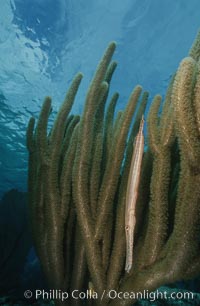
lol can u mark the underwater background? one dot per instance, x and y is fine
(43, 44)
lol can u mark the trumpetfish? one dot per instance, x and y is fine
(132, 193)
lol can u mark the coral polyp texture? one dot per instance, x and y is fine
(78, 177)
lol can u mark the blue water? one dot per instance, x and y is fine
(44, 43)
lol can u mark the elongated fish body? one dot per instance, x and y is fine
(132, 193)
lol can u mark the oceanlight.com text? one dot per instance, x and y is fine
(111, 294)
